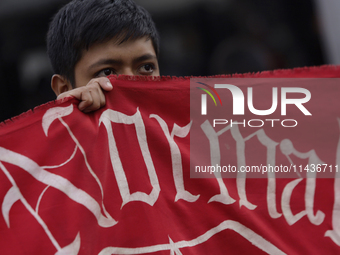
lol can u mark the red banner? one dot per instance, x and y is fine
(117, 181)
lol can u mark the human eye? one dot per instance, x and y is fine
(105, 72)
(147, 69)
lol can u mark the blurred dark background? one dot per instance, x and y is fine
(198, 37)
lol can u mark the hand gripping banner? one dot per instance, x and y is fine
(242, 164)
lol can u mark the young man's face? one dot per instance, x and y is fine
(132, 57)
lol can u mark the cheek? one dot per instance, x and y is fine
(80, 83)
(81, 79)
(156, 73)
(81, 75)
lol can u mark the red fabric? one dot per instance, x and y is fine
(63, 192)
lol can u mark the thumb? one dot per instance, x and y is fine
(105, 84)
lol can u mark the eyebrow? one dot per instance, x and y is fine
(110, 61)
(144, 58)
(106, 61)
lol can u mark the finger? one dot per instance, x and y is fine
(63, 95)
(77, 93)
(101, 97)
(105, 83)
(91, 96)
(96, 101)
(86, 100)
(97, 93)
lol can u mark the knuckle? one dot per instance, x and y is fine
(88, 100)
(95, 105)
(100, 79)
(102, 103)
(92, 86)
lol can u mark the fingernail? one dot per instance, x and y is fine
(109, 84)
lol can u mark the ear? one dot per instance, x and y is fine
(60, 84)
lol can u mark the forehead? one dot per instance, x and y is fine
(125, 51)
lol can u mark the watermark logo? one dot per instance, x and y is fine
(204, 97)
(239, 99)
(263, 127)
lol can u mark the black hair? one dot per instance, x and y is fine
(81, 23)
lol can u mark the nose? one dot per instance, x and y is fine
(127, 71)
